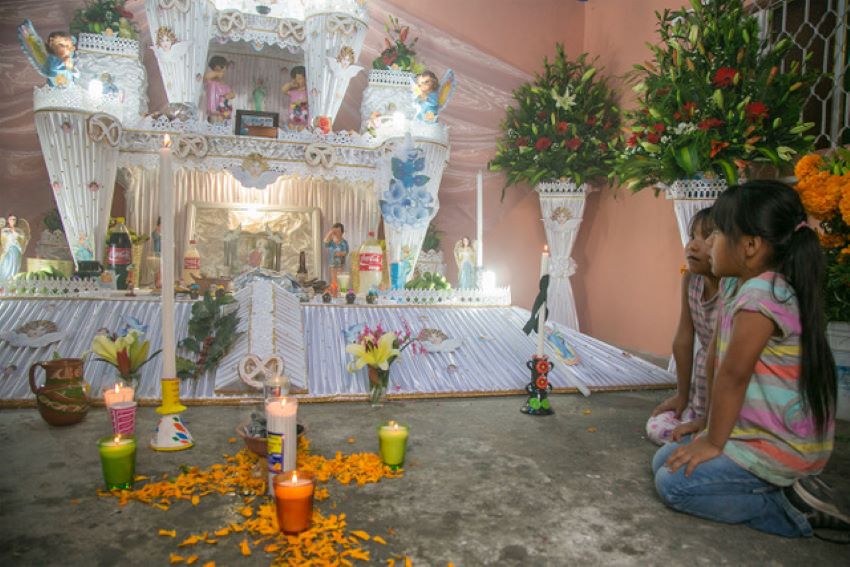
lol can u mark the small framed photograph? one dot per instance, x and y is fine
(252, 123)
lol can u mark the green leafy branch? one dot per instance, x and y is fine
(211, 335)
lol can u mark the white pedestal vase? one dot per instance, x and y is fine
(838, 336)
(182, 64)
(402, 231)
(690, 196)
(99, 55)
(332, 44)
(562, 204)
(387, 93)
(79, 135)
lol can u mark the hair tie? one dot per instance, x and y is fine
(801, 226)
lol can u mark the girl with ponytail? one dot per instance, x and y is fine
(772, 396)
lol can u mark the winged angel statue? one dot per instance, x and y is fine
(55, 60)
(431, 96)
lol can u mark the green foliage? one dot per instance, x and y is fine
(211, 335)
(713, 100)
(105, 16)
(53, 220)
(397, 55)
(428, 280)
(433, 236)
(564, 126)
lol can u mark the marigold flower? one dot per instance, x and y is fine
(808, 165)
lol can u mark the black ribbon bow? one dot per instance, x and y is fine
(533, 322)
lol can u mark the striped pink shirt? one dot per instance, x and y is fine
(773, 437)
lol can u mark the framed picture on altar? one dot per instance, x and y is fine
(254, 123)
(234, 238)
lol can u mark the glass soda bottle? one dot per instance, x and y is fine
(370, 264)
(119, 252)
(191, 263)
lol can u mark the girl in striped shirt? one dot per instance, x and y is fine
(772, 397)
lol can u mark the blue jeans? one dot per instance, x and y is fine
(722, 491)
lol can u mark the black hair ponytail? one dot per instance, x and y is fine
(773, 211)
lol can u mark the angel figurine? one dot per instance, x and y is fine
(55, 61)
(429, 97)
(167, 48)
(343, 66)
(465, 256)
(14, 237)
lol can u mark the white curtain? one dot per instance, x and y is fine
(351, 203)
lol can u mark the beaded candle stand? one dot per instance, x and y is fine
(539, 387)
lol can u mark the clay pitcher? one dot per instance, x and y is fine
(61, 401)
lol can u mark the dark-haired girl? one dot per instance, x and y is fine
(772, 401)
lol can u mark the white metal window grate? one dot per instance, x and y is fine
(819, 29)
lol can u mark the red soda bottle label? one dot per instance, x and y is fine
(371, 262)
(119, 256)
(192, 263)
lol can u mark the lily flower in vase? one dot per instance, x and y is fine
(127, 354)
(377, 355)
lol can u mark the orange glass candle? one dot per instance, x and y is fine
(293, 497)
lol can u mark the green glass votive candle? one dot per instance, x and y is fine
(118, 458)
(392, 437)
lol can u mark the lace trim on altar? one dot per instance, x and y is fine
(112, 45)
(58, 287)
(390, 78)
(75, 97)
(563, 188)
(695, 188)
(497, 296)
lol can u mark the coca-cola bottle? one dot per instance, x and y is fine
(119, 252)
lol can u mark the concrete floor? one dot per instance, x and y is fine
(485, 485)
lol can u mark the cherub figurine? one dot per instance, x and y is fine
(343, 66)
(14, 237)
(167, 48)
(55, 61)
(465, 256)
(429, 97)
(219, 93)
(297, 91)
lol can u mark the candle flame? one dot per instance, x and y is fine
(166, 141)
(117, 438)
(294, 476)
(282, 402)
(392, 423)
(545, 248)
(117, 387)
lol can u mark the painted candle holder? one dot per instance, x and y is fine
(392, 439)
(539, 387)
(118, 459)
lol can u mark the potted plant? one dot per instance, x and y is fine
(561, 134)
(823, 183)
(564, 126)
(107, 17)
(713, 101)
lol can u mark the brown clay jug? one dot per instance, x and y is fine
(62, 400)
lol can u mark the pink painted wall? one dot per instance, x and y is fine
(628, 250)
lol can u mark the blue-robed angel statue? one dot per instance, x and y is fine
(429, 97)
(55, 61)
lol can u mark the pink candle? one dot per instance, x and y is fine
(119, 393)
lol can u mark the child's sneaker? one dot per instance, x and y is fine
(814, 498)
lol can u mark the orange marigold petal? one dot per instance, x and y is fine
(244, 548)
(379, 539)
(191, 559)
(169, 533)
(173, 558)
(361, 534)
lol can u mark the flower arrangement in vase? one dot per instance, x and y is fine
(565, 125)
(108, 17)
(398, 55)
(378, 349)
(713, 101)
(127, 354)
(823, 183)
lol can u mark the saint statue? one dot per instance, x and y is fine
(465, 256)
(14, 236)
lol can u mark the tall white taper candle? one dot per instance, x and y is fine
(166, 213)
(541, 321)
(479, 219)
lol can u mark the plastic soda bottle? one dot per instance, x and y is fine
(119, 253)
(370, 264)
(191, 263)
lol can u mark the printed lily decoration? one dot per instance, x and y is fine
(378, 355)
(127, 354)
